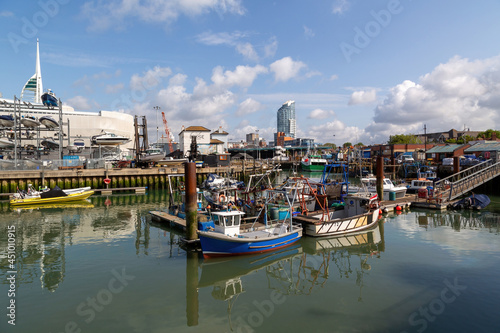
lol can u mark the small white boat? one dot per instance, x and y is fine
(6, 120)
(6, 143)
(153, 155)
(32, 163)
(49, 143)
(30, 122)
(109, 139)
(417, 184)
(49, 122)
(370, 184)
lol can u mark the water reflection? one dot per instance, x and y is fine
(43, 232)
(296, 270)
(459, 220)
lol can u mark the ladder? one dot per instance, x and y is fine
(462, 182)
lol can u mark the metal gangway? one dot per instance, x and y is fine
(464, 181)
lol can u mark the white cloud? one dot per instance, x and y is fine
(363, 97)
(457, 93)
(286, 68)
(248, 106)
(113, 89)
(6, 13)
(271, 47)
(334, 77)
(320, 114)
(103, 15)
(247, 51)
(308, 32)
(150, 79)
(242, 76)
(340, 6)
(79, 103)
(236, 39)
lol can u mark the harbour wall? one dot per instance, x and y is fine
(153, 178)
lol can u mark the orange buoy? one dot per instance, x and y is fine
(398, 208)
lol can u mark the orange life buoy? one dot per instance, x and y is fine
(222, 198)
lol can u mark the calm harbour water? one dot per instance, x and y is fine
(106, 268)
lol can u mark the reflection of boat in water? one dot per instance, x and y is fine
(217, 270)
(64, 205)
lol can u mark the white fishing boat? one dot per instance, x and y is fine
(49, 122)
(360, 212)
(109, 139)
(369, 184)
(417, 184)
(30, 122)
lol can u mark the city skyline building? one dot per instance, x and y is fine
(286, 119)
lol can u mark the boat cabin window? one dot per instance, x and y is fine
(387, 181)
(216, 219)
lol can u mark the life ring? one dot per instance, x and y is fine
(222, 198)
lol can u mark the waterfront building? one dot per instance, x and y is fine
(219, 138)
(286, 119)
(202, 135)
(79, 125)
(252, 139)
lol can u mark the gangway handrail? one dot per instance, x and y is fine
(472, 177)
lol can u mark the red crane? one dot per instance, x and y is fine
(167, 132)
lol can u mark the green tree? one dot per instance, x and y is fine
(332, 145)
(360, 144)
(404, 139)
(347, 144)
(487, 134)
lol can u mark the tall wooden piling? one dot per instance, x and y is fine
(191, 207)
(380, 178)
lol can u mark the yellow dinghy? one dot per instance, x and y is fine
(59, 199)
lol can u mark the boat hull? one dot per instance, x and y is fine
(340, 226)
(30, 123)
(36, 201)
(215, 244)
(312, 167)
(6, 143)
(49, 100)
(49, 122)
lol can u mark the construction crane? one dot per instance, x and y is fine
(167, 132)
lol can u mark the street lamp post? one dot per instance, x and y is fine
(258, 151)
(157, 136)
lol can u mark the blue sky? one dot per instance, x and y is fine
(357, 70)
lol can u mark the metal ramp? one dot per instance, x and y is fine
(462, 182)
